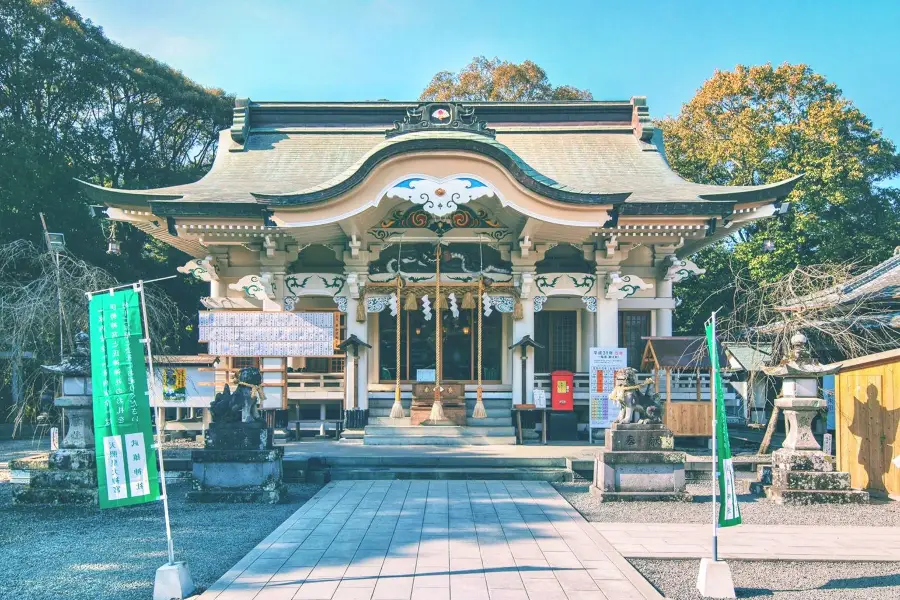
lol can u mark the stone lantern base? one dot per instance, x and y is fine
(808, 477)
(801, 473)
(67, 475)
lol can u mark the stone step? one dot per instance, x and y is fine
(436, 431)
(53, 496)
(810, 480)
(779, 496)
(440, 441)
(490, 421)
(58, 478)
(442, 461)
(497, 415)
(470, 473)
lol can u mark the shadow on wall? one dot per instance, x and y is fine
(876, 427)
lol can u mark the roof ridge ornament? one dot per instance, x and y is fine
(240, 127)
(641, 121)
(440, 116)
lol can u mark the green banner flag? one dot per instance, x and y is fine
(123, 433)
(729, 510)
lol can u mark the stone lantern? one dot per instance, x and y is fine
(67, 475)
(76, 396)
(801, 473)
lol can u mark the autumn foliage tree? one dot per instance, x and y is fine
(492, 79)
(762, 124)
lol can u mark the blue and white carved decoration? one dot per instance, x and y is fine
(426, 307)
(487, 303)
(376, 304)
(590, 303)
(503, 304)
(440, 197)
(539, 303)
(341, 302)
(621, 287)
(202, 269)
(254, 286)
(290, 302)
(454, 307)
(681, 269)
(393, 304)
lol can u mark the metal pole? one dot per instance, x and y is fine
(140, 283)
(159, 439)
(715, 462)
(62, 424)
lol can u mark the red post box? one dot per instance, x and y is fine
(562, 390)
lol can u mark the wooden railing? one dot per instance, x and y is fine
(315, 386)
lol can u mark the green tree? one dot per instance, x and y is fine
(492, 79)
(761, 124)
(74, 104)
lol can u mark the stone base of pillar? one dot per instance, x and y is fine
(238, 464)
(808, 477)
(639, 465)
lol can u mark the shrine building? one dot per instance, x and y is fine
(355, 249)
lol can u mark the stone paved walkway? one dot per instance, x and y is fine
(434, 540)
(754, 542)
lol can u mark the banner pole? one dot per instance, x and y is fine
(159, 438)
(715, 462)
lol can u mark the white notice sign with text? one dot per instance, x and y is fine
(603, 366)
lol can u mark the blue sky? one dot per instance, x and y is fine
(372, 49)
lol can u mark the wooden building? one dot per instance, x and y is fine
(867, 396)
(440, 234)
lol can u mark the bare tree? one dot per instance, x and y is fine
(29, 317)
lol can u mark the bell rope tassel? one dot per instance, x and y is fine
(479, 412)
(361, 311)
(397, 408)
(437, 411)
(411, 302)
(439, 302)
(468, 301)
(518, 312)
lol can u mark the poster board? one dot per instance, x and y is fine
(276, 334)
(196, 390)
(604, 362)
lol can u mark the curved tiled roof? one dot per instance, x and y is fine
(300, 154)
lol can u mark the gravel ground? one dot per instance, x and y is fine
(754, 510)
(783, 580)
(65, 553)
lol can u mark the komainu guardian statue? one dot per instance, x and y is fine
(638, 402)
(240, 405)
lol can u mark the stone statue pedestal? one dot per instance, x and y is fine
(238, 464)
(639, 463)
(68, 475)
(801, 473)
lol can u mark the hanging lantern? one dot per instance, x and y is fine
(112, 246)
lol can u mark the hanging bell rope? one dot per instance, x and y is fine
(479, 412)
(397, 408)
(437, 408)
